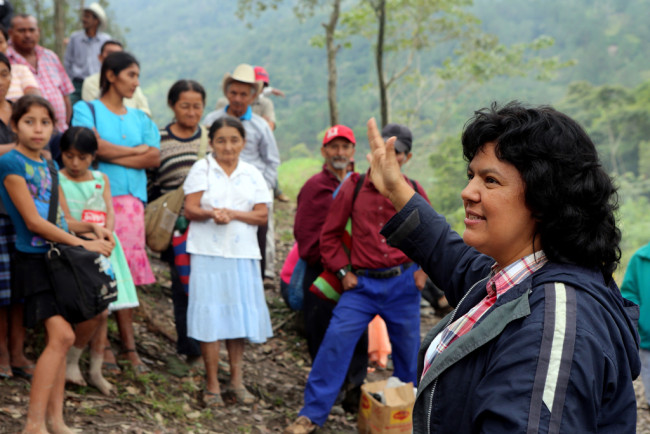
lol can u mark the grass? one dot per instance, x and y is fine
(293, 173)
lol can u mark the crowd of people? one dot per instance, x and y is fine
(539, 338)
(89, 115)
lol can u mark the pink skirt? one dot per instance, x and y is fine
(129, 226)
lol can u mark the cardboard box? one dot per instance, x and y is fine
(396, 416)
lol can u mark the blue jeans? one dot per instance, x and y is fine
(397, 301)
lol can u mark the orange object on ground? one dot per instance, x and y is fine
(378, 343)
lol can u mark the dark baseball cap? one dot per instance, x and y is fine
(404, 140)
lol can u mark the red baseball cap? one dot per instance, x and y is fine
(261, 74)
(339, 131)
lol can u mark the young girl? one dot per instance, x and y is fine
(79, 184)
(25, 189)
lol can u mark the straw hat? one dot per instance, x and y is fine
(244, 73)
(96, 9)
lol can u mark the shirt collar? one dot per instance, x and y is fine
(246, 116)
(214, 165)
(515, 273)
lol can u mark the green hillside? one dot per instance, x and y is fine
(207, 40)
(607, 40)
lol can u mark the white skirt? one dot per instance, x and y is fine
(226, 300)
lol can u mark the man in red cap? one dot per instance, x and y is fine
(314, 202)
(377, 279)
(263, 105)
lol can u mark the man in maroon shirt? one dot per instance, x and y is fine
(376, 279)
(314, 202)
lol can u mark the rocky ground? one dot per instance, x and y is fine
(168, 399)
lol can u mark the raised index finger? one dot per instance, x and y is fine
(374, 137)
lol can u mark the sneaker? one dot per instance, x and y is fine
(302, 425)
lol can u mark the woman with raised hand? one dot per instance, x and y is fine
(182, 143)
(226, 199)
(128, 143)
(540, 339)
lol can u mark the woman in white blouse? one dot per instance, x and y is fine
(225, 200)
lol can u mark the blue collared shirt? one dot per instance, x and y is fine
(81, 54)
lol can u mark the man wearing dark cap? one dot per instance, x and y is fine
(377, 280)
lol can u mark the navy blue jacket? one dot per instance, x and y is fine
(556, 353)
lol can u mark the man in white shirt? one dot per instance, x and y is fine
(80, 59)
(261, 150)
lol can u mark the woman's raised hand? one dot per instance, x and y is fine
(385, 172)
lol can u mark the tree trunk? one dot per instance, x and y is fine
(59, 27)
(380, 11)
(332, 50)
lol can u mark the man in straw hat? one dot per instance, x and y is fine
(261, 150)
(80, 59)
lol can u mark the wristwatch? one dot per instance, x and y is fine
(341, 273)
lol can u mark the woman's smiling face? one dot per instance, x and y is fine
(498, 221)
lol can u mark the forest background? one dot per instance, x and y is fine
(442, 59)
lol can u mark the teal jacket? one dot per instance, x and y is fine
(636, 288)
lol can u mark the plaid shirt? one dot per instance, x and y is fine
(498, 285)
(51, 77)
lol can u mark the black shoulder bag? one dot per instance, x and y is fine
(83, 281)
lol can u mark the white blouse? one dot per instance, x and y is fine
(241, 191)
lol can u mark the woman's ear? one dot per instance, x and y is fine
(110, 76)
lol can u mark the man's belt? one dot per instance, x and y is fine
(383, 273)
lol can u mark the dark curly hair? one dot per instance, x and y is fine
(566, 187)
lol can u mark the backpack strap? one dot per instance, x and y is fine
(357, 187)
(54, 194)
(347, 175)
(415, 185)
(92, 110)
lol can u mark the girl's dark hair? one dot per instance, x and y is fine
(5, 60)
(227, 121)
(4, 33)
(181, 86)
(116, 62)
(80, 138)
(26, 102)
(566, 188)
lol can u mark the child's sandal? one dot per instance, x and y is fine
(212, 400)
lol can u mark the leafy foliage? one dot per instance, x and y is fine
(617, 118)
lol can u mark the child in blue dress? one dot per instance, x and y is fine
(25, 191)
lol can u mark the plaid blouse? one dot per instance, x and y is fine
(52, 80)
(498, 285)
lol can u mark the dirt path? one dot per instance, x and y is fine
(168, 399)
